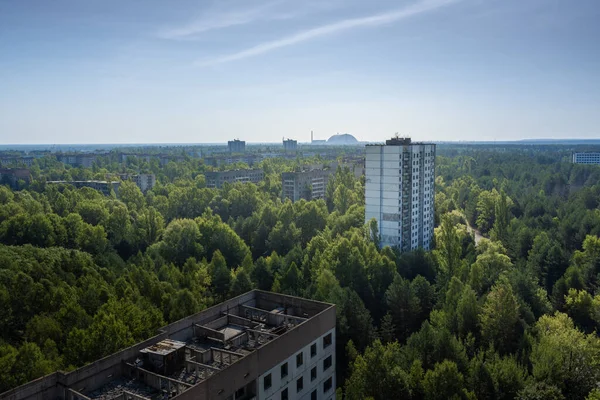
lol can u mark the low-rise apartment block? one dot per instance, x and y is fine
(308, 185)
(256, 346)
(16, 160)
(12, 176)
(77, 160)
(103, 187)
(144, 181)
(218, 160)
(216, 179)
(586, 158)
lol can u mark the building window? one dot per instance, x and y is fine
(299, 384)
(327, 341)
(284, 394)
(327, 385)
(327, 363)
(267, 382)
(313, 374)
(299, 359)
(313, 350)
(284, 370)
(313, 395)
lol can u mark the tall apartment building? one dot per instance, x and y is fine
(586, 158)
(308, 185)
(259, 345)
(216, 179)
(290, 145)
(399, 192)
(236, 146)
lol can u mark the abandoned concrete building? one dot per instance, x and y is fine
(259, 345)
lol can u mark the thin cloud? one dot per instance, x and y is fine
(220, 19)
(325, 30)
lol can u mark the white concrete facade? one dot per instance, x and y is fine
(586, 158)
(312, 379)
(399, 192)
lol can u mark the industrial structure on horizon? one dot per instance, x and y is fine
(399, 192)
(256, 346)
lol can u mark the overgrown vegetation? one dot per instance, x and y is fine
(515, 316)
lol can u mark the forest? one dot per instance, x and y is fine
(511, 315)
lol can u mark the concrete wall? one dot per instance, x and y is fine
(224, 383)
(39, 389)
(99, 373)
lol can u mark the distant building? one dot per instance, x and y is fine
(12, 176)
(103, 187)
(399, 192)
(586, 158)
(308, 185)
(144, 181)
(236, 146)
(165, 159)
(77, 160)
(216, 179)
(290, 145)
(227, 159)
(146, 157)
(257, 346)
(16, 160)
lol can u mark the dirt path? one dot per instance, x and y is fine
(478, 235)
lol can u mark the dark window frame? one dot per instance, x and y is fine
(299, 359)
(299, 384)
(327, 340)
(327, 385)
(327, 363)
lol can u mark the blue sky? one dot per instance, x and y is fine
(149, 71)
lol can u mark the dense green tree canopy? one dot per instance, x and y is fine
(505, 305)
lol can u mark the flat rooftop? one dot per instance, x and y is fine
(184, 353)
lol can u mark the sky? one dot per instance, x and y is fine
(205, 71)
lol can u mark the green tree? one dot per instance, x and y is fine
(180, 241)
(448, 250)
(564, 356)
(445, 382)
(241, 283)
(220, 275)
(404, 307)
(499, 318)
(262, 274)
